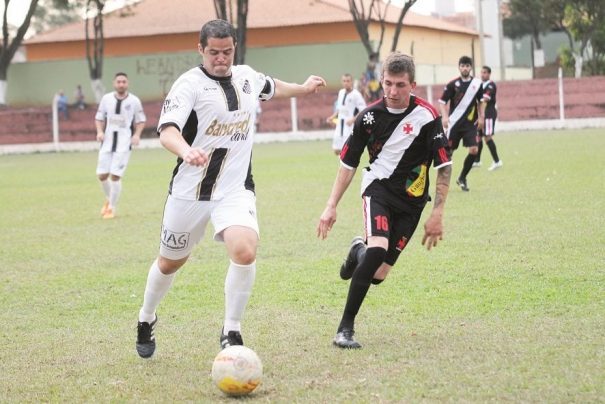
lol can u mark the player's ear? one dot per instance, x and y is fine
(200, 49)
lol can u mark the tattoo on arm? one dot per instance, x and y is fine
(443, 184)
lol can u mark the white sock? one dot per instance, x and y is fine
(157, 286)
(116, 190)
(238, 288)
(106, 188)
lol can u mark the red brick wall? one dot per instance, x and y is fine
(517, 101)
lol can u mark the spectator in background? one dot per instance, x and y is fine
(79, 98)
(371, 78)
(61, 100)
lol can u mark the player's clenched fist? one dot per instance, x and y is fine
(195, 157)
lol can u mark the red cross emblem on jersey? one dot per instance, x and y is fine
(408, 128)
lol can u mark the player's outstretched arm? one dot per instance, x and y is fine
(328, 217)
(433, 228)
(311, 85)
(173, 141)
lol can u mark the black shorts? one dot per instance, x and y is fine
(384, 219)
(467, 134)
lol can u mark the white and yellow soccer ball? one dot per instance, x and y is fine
(237, 370)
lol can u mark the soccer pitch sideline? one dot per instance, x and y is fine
(510, 306)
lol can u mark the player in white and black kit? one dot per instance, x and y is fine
(208, 121)
(403, 136)
(466, 114)
(348, 104)
(489, 127)
(119, 121)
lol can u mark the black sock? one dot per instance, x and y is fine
(492, 150)
(377, 281)
(468, 165)
(360, 283)
(478, 156)
(361, 252)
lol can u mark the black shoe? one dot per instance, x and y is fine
(462, 183)
(348, 267)
(344, 339)
(232, 338)
(146, 338)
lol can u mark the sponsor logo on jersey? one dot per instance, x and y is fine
(247, 88)
(170, 104)
(415, 187)
(238, 130)
(368, 118)
(173, 240)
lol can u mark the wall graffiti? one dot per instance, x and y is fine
(165, 69)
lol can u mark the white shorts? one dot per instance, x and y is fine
(184, 222)
(113, 163)
(340, 136)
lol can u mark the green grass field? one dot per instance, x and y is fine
(509, 307)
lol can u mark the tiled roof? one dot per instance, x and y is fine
(159, 17)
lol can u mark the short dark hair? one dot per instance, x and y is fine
(216, 29)
(120, 74)
(488, 69)
(397, 63)
(465, 60)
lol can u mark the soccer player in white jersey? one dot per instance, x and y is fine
(207, 121)
(348, 104)
(403, 135)
(119, 112)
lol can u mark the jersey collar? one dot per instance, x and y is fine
(213, 77)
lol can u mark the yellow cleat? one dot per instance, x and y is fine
(104, 208)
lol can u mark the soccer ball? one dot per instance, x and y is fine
(237, 370)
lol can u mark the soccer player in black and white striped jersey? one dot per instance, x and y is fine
(404, 136)
(119, 121)
(208, 121)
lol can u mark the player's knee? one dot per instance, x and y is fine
(244, 254)
(168, 266)
(115, 177)
(102, 177)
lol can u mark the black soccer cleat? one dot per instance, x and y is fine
(462, 183)
(232, 338)
(348, 266)
(344, 339)
(146, 338)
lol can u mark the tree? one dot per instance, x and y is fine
(582, 21)
(54, 13)
(406, 7)
(9, 47)
(376, 10)
(362, 17)
(95, 45)
(527, 17)
(224, 11)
